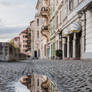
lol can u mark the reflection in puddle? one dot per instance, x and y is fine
(20, 88)
(38, 83)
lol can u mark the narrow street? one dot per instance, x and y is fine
(46, 46)
(69, 76)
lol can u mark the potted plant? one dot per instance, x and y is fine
(59, 53)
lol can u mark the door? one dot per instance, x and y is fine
(78, 45)
(35, 54)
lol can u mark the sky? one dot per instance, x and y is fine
(15, 16)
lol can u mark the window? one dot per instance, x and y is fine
(70, 5)
(29, 34)
(57, 44)
(37, 34)
(78, 1)
(24, 41)
(24, 45)
(37, 82)
(65, 9)
(44, 50)
(25, 36)
(60, 17)
(56, 22)
(37, 22)
(0, 49)
(56, 2)
(24, 50)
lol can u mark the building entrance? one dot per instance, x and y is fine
(65, 48)
(78, 45)
(71, 45)
(35, 54)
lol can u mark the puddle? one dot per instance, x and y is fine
(32, 83)
(36, 83)
(20, 88)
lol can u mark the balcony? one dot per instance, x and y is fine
(44, 28)
(45, 32)
(44, 11)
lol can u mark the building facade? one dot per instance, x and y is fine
(63, 25)
(40, 30)
(45, 31)
(52, 29)
(70, 28)
(33, 45)
(4, 51)
(8, 52)
(35, 27)
(25, 42)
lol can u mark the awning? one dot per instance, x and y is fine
(76, 27)
(65, 32)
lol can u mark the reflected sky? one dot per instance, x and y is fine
(20, 88)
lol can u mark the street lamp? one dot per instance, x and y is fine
(80, 16)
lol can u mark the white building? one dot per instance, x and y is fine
(39, 41)
(70, 23)
(4, 51)
(40, 32)
(8, 52)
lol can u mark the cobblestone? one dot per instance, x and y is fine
(69, 76)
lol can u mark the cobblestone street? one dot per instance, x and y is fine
(69, 76)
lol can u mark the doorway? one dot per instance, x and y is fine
(78, 45)
(65, 48)
(71, 46)
(35, 54)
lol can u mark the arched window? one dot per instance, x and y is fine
(70, 5)
(37, 22)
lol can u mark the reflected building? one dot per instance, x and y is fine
(39, 83)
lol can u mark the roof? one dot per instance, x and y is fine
(16, 38)
(24, 31)
(31, 22)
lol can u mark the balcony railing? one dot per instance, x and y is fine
(45, 32)
(44, 28)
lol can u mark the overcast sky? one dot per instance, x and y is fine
(15, 16)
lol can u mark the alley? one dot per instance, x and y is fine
(69, 76)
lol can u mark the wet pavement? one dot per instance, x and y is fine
(9, 76)
(69, 76)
